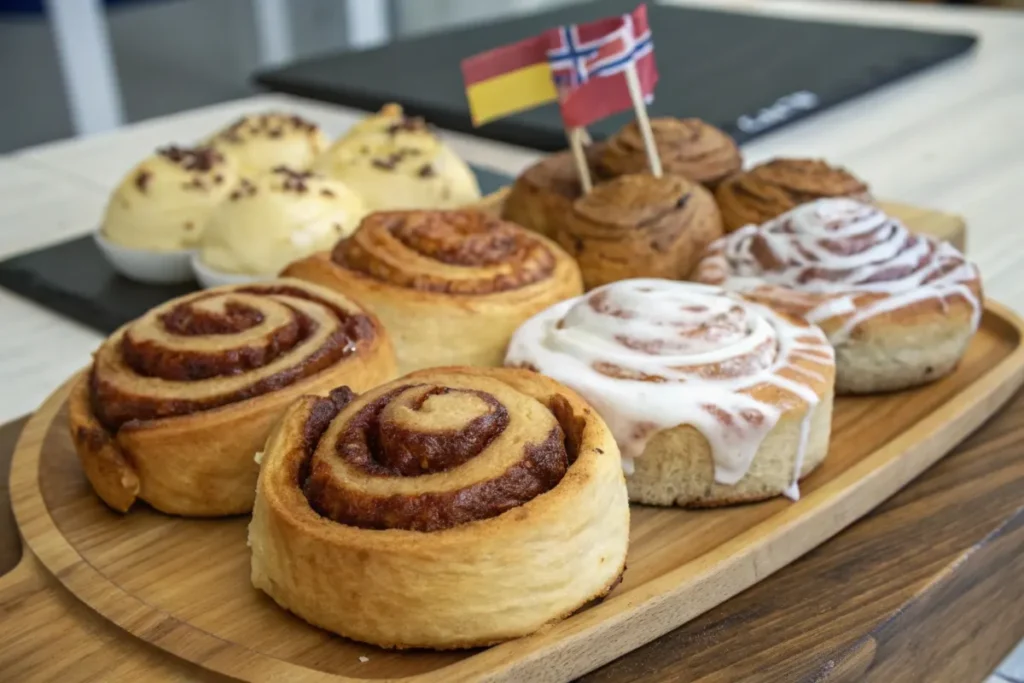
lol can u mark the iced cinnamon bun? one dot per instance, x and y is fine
(900, 309)
(451, 508)
(450, 286)
(713, 399)
(178, 402)
(687, 147)
(639, 226)
(775, 187)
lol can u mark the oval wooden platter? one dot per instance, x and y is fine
(183, 585)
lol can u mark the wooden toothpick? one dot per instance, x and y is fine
(578, 137)
(636, 94)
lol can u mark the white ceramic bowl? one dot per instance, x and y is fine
(145, 265)
(208, 277)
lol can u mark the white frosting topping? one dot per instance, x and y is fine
(838, 249)
(654, 354)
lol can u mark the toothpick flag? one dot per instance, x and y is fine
(583, 66)
(508, 79)
(589, 64)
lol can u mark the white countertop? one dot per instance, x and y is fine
(951, 138)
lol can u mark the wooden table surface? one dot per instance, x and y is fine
(928, 587)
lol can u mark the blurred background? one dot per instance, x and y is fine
(65, 64)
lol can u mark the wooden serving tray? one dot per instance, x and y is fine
(183, 585)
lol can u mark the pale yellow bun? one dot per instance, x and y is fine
(260, 142)
(397, 162)
(280, 217)
(379, 518)
(450, 286)
(164, 202)
(178, 402)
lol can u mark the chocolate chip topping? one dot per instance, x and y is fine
(142, 179)
(294, 181)
(409, 124)
(265, 125)
(426, 171)
(200, 159)
(245, 189)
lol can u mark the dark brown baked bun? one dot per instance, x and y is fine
(773, 188)
(543, 194)
(687, 147)
(454, 507)
(178, 402)
(640, 226)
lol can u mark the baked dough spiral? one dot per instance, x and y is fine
(775, 187)
(639, 226)
(451, 508)
(687, 147)
(712, 399)
(177, 402)
(450, 286)
(899, 308)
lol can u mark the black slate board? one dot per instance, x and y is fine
(74, 279)
(746, 74)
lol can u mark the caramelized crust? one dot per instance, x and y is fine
(687, 147)
(775, 187)
(640, 226)
(402, 248)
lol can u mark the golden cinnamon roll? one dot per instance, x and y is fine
(177, 403)
(451, 508)
(450, 286)
(260, 142)
(712, 399)
(542, 196)
(640, 226)
(900, 309)
(687, 147)
(773, 188)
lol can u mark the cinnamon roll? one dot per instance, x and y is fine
(687, 147)
(713, 399)
(177, 403)
(900, 309)
(452, 508)
(775, 187)
(542, 196)
(450, 286)
(640, 226)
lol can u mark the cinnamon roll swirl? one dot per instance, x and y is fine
(687, 147)
(775, 187)
(450, 286)
(640, 226)
(177, 403)
(451, 508)
(900, 309)
(713, 399)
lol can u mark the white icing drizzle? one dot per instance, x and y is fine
(837, 250)
(654, 354)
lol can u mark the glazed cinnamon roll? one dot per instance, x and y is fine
(640, 226)
(687, 147)
(177, 403)
(900, 309)
(775, 187)
(451, 508)
(450, 286)
(543, 194)
(712, 399)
